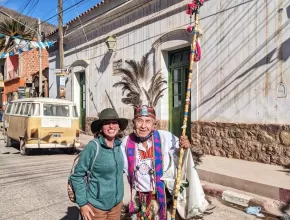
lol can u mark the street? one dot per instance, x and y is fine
(34, 188)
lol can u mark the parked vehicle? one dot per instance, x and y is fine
(41, 123)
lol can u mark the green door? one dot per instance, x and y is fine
(179, 63)
(82, 101)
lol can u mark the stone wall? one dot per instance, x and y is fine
(89, 121)
(265, 143)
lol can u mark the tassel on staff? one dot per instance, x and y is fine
(192, 8)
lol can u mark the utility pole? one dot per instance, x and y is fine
(60, 34)
(40, 59)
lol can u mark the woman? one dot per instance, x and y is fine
(101, 198)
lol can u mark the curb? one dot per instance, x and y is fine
(268, 206)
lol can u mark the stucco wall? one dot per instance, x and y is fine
(245, 49)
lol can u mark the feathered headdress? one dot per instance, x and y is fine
(144, 89)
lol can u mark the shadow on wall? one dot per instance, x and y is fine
(146, 11)
(284, 51)
(101, 69)
(104, 63)
(283, 55)
(103, 66)
(123, 21)
(72, 213)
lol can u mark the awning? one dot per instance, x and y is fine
(12, 85)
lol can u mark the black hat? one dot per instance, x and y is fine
(108, 114)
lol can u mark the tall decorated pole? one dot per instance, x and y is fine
(192, 9)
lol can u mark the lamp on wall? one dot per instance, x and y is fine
(111, 43)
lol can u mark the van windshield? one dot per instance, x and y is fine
(56, 110)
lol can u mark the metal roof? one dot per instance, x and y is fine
(44, 100)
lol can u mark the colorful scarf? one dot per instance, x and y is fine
(158, 165)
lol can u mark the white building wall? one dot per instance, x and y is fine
(245, 54)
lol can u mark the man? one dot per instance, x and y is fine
(147, 154)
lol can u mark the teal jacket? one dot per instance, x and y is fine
(106, 186)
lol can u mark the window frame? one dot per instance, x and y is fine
(56, 105)
(34, 109)
(8, 105)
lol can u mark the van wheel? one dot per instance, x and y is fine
(23, 150)
(7, 140)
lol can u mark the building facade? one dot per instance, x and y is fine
(21, 74)
(239, 103)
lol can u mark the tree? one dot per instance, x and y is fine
(13, 28)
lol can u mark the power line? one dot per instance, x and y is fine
(52, 10)
(18, 21)
(4, 4)
(129, 10)
(33, 8)
(71, 9)
(52, 21)
(22, 8)
(63, 11)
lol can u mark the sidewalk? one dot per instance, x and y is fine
(262, 179)
(246, 183)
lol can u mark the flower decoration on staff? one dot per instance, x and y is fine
(192, 7)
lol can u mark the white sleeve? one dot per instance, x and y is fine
(174, 151)
(170, 141)
(175, 141)
(123, 148)
(170, 147)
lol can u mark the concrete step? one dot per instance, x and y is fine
(262, 179)
(241, 200)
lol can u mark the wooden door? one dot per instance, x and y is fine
(179, 65)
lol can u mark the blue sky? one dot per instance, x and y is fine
(44, 9)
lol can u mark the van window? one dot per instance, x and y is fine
(8, 109)
(75, 112)
(13, 108)
(22, 109)
(55, 110)
(34, 110)
(16, 107)
(27, 108)
(19, 108)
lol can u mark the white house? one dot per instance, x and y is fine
(240, 83)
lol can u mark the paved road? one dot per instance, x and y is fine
(34, 188)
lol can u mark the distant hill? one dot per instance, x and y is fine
(31, 22)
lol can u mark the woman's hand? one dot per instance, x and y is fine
(184, 142)
(86, 212)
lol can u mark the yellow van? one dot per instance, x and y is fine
(41, 123)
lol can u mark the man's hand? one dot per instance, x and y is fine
(184, 142)
(86, 212)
